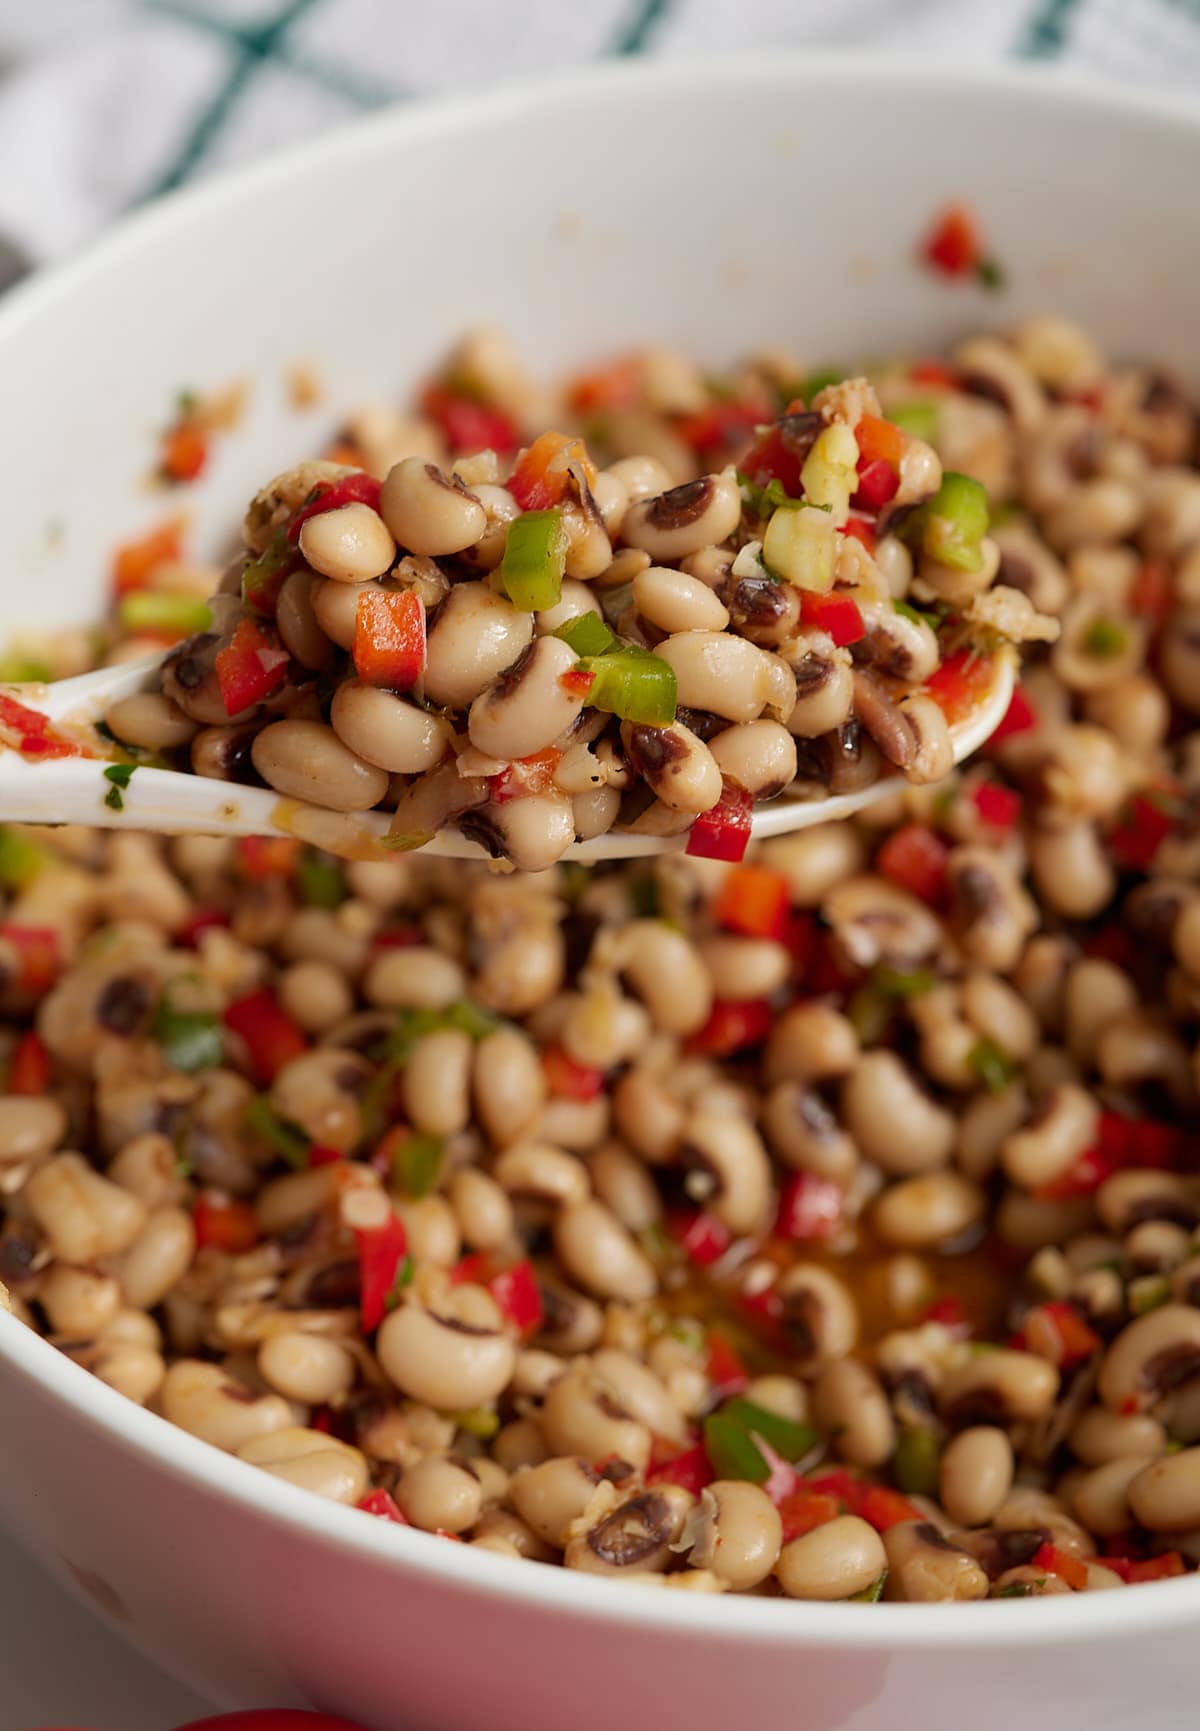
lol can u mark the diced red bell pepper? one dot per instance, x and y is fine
(932, 371)
(29, 1068)
(719, 429)
(318, 1156)
(690, 1468)
(249, 668)
(199, 921)
(953, 245)
(1112, 943)
(1135, 1569)
(879, 441)
(389, 638)
(860, 530)
(838, 615)
(382, 1503)
(184, 452)
(1056, 1331)
(882, 1508)
(527, 774)
(519, 1297)
(344, 452)
(702, 1237)
(330, 495)
(841, 1484)
(1019, 717)
(948, 1313)
(403, 937)
(38, 956)
(577, 681)
(1136, 839)
(764, 1308)
(473, 1270)
(542, 476)
(568, 1079)
(733, 1026)
(769, 459)
(611, 386)
(380, 1249)
(267, 856)
(1088, 1173)
(135, 562)
(724, 1367)
(468, 426)
(961, 683)
(271, 1037)
(998, 806)
(878, 484)
(1055, 1561)
(1150, 593)
(753, 900)
(810, 1208)
(224, 1224)
(915, 858)
(723, 832)
(30, 732)
(804, 1510)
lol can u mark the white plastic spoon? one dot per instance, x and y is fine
(75, 790)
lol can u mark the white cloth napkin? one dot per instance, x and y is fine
(104, 103)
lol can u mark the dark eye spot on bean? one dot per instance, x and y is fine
(236, 1391)
(122, 1004)
(998, 1551)
(516, 671)
(1171, 1368)
(18, 1258)
(458, 1326)
(1016, 572)
(335, 1287)
(976, 893)
(798, 432)
(654, 749)
(478, 827)
(929, 1535)
(1176, 1209)
(702, 722)
(610, 1406)
(813, 674)
(680, 506)
(990, 389)
(632, 1532)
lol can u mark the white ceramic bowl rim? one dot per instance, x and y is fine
(84, 1400)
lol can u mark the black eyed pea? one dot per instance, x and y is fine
(1031, 1222)
(520, 1443)
(610, 496)
(148, 1165)
(493, 1480)
(762, 610)
(540, 1172)
(431, 1226)
(1099, 1436)
(159, 1257)
(335, 609)
(1101, 1497)
(601, 1027)
(1094, 994)
(668, 974)
(759, 755)
(428, 512)
(581, 1416)
(137, 1372)
(1165, 1495)
(499, 509)
(850, 1406)
(316, 994)
(386, 730)
(484, 1211)
(500, 1531)
(934, 1208)
(674, 601)
(311, 1459)
(596, 1250)
(307, 761)
(636, 1388)
(675, 764)
(975, 1474)
(834, 1561)
(824, 692)
(785, 1395)
(320, 1092)
(892, 1119)
(528, 707)
(984, 1125)
(532, 833)
(349, 544)
(671, 525)
(79, 1302)
(440, 1494)
(1152, 1355)
(925, 1568)
(999, 1013)
(1002, 1387)
(295, 1197)
(447, 1362)
(211, 1403)
(1071, 869)
(641, 477)
(728, 676)
(551, 1496)
(648, 1115)
(639, 1534)
(437, 1082)
(306, 1367)
(873, 921)
(811, 1042)
(31, 1126)
(819, 1318)
(729, 1170)
(736, 1533)
(151, 720)
(414, 978)
(992, 914)
(623, 1184)
(1130, 1199)
(508, 1084)
(473, 636)
(815, 860)
(84, 1217)
(535, 1371)
(594, 812)
(1027, 1508)
(297, 623)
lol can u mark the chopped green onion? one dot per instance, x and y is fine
(535, 557)
(988, 1060)
(480, 1421)
(1147, 1293)
(281, 1137)
(632, 684)
(908, 612)
(817, 382)
(951, 526)
(190, 1039)
(902, 982)
(920, 418)
(588, 635)
(413, 1025)
(262, 578)
(732, 1451)
(157, 610)
(120, 774)
(872, 1594)
(1105, 638)
(870, 1012)
(915, 1462)
(643, 893)
(404, 1276)
(761, 501)
(321, 882)
(990, 273)
(20, 859)
(1019, 1589)
(416, 1163)
(469, 1019)
(784, 1435)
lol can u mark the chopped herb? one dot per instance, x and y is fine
(413, 1025)
(1105, 638)
(951, 526)
(158, 610)
(872, 1594)
(321, 882)
(902, 982)
(186, 403)
(480, 1421)
(988, 1060)
(416, 1163)
(191, 1040)
(909, 612)
(1019, 1589)
(761, 501)
(819, 381)
(643, 893)
(283, 1138)
(574, 878)
(732, 1451)
(990, 273)
(20, 859)
(1147, 1293)
(404, 1275)
(183, 1166)
(18, 669)
(915, 1462)
(588, 635)
(920, 418)
(120, 774)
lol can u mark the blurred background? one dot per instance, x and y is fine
(105, 103)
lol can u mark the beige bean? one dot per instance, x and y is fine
(743, 968)
(137, 1372)
(437, 1082)
(784, 1395)
(642, 477)
(1072, 872)
(350, 544)
(894, 1122)
(833, 1561)
(150, 720)
(676, 764)
(552, 1495)
(429, 513)
(432, 1358)
(31, 1126)
(440, 1495)
(1063, 1126)
(484, 1211)
(335, 609)
(498, 1530)
(316, 995)
(431, 1226)
(1099, 1436)
(728, 676)
(311, 1459)
(975, 1474)
(214, 1405)
(999, 1385)
(623, 1184)
(666, 971)
(386, 730)
(640, 1392)
(648, 1115)
(1152, 1354)
(414, 978)
(1165, 1495)
(79, 1302)
(541, 1172)
(686, 518)
(286, 1201)
(509, 1085)
(739, 1534)
(932, 1209)
(819, 1317)
(580, 1416)
(474, 635)
(306, 760)
(810, 1042)
(158, 1258)
(925, 1568)
(639, 1534)
(297, 623)
(1101, 1497)
(674, 601)
(83, 1215)
(320, 1091)
(815, 860)
(597, 1251)
(306, 1367)
(729, 1169)
(760, 756)
(528, 707)
(850, 1406)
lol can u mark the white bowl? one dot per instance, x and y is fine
(713, 208)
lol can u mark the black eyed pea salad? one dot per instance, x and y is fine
(823, 1224)
(533, 649)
